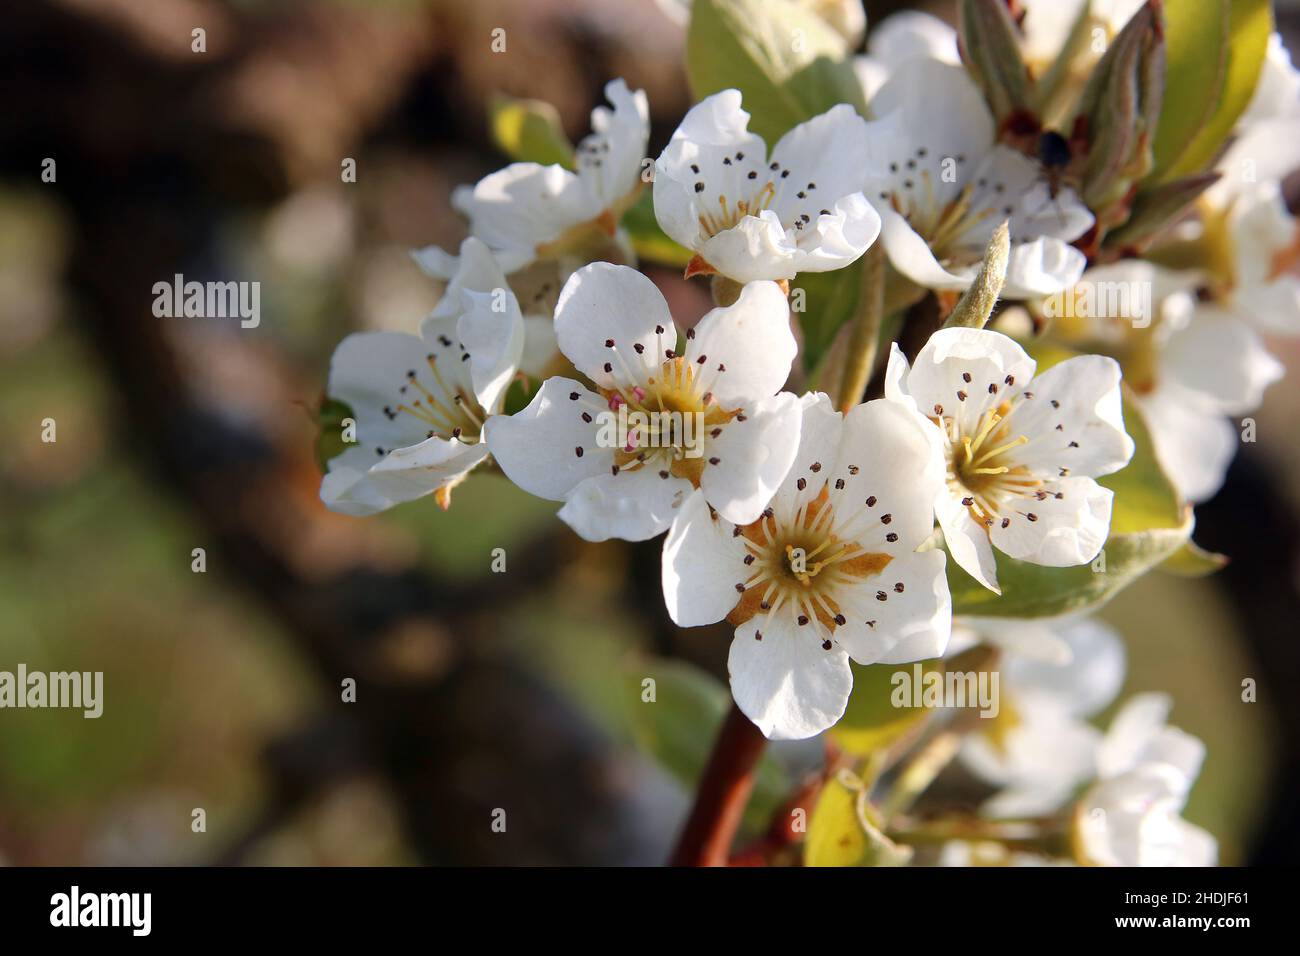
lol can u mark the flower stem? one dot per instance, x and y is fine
(723, 792)
(866, 329)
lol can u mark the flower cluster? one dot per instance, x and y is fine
(820, 529)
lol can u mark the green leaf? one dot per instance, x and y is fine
(829, 300)
(837, 836)
(678, 728)
(871, 720)
(648, 240)
(529, 131)
(1148, 524)
(329, 438)
(1031, 590)
(788, 64)
(1196, 58)
(1250, 23)
(1193, 561)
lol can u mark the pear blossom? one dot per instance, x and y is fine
(420, 401)
(536, 288)
(1021, 452)
(748, 218)
(828, 572)
(946, 185)
(711, 415)
(1191, 366)
(529, 211)
(1040, 748)
(1132, 816)
(899, 37)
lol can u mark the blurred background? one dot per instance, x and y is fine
(475, 691)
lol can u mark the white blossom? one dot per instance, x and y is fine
(419, 402)
(1021, 452)
(748, 218)
(829, 571)
(727, 430)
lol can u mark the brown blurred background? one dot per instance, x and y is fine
(475, 691)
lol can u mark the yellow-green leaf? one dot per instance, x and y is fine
(529, 131)
(1193, 561)
(1250, 23)
(871, 720)
(837, 835)
(787, 62)
(1196, 58)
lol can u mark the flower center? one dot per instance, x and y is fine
(729, 214)
(981, 468)
(449, 413)
(802, 567)
(669, 419)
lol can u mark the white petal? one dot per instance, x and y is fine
(1063, 532)
(602, 303)
(1042, 759)
(702, 563)
(912, 624)
(1223, 359)
(409, 473)
(540, 348)
(537, 448)
(819, 439)
(757, 247)
(348, 490)
(1008, 185)
(369, 371)
(1194, 445)
(785, 682)
(938, 375)
(1042, 267)
(1082, 395)
(938, 109)
(1267, 150)
(967, 541)
(754, 456)
(488, 324)
(436, 262)
(828, 157)
(836, 236)
(1274, 305)
(609, 160)
(516, 209)
(744, 350)
(1260, 226)
(908, 33)
(889, 456)
(713, 130)
(910, 254)
(634, 505)
(1082, 685)
(1139, 736)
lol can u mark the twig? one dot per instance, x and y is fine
(723, 792)
(866, 329)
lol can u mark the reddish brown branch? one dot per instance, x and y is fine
(723, 792)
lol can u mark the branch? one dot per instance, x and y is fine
(723, 792)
